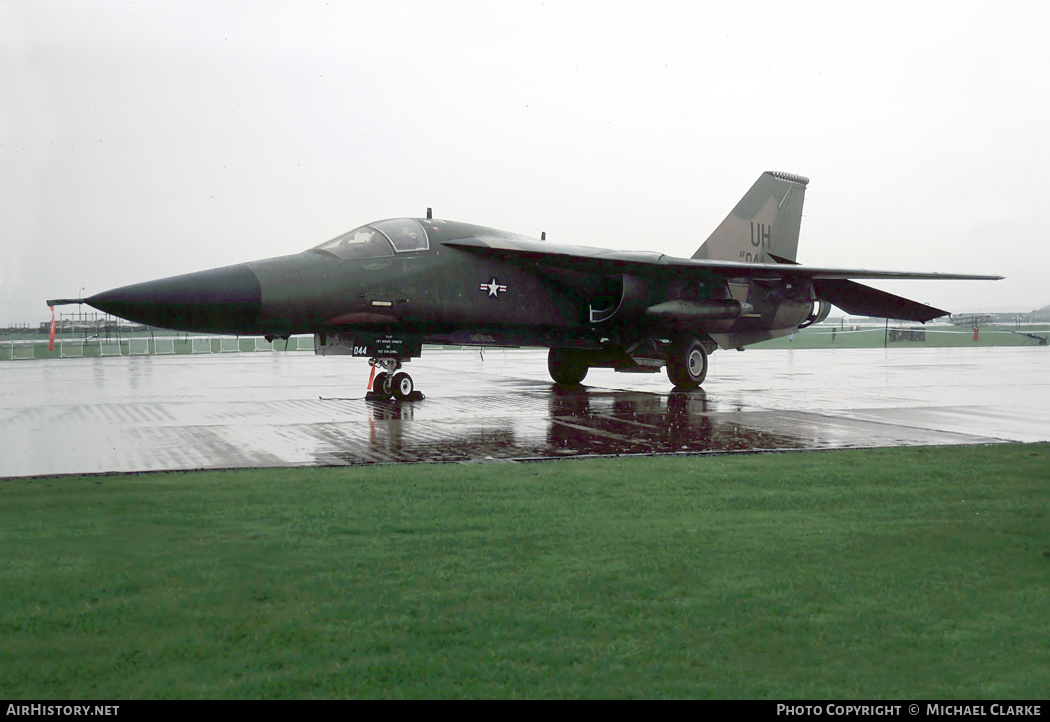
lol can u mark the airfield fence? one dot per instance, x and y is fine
(820, 336)
(138, 347)
(71, 349)
(20, 352)
(111, 348)
(27, 350)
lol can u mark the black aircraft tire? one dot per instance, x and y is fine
(566, 366)
(383, 385)
(402, 386)
(687, 365)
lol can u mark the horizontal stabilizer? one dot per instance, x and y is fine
(860, 300)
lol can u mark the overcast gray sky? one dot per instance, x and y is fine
(146, 139)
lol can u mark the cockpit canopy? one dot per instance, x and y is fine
(377, 240)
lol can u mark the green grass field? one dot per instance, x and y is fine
(873, 574)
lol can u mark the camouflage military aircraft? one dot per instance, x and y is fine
(383, 290)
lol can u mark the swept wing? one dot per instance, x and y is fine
(833, 285)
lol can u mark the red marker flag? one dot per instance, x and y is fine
(371, 377)
(51, 341)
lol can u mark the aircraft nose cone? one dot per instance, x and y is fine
(222, 300)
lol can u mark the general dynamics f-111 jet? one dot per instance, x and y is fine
(383, 290)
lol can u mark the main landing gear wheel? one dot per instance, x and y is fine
(567, 366)
(687, 365)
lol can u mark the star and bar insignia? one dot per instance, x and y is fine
(493, 287)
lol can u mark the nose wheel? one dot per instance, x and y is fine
(402, 386)
(391, 383)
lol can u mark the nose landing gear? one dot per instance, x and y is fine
(390, 383)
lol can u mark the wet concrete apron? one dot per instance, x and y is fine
(295, 409)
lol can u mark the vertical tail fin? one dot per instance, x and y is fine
(764, 224)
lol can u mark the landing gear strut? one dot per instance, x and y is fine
(391, 383)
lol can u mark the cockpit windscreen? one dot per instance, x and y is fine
(378, 240)
(363, 242)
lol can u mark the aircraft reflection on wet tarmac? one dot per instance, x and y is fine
(263, 409)
(578, 421)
